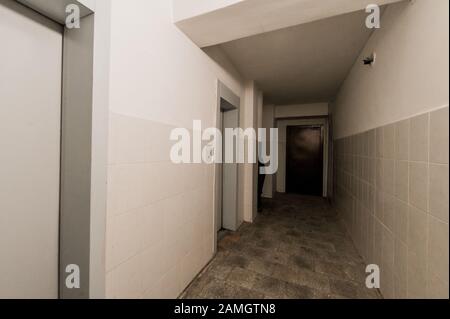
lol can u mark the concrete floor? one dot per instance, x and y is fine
(296, 249)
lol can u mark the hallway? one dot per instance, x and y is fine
(147, 128)
(296, 249)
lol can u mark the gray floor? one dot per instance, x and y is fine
(296, 249)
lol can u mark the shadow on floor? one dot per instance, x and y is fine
(296, 249)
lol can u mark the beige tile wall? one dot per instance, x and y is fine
(392, 191)
(159, 222)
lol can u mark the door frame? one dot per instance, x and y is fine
(282, 125)
(223, 92)
(81, 210)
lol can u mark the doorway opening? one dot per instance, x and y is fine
(226, 181)
(228, 172)
(304, 160)
(297, 142)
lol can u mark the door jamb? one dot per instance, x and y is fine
(223, 92)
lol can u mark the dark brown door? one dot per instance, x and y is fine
(304, 160)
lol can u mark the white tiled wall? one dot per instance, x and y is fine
(160, 215)
(392, 190)
(160, 221)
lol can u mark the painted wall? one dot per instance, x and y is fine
(301, 110)
(249, 172)
(185, 9)
(391, 169)
(99, 160)
(392, 193)
(160, 215)
(410, 75)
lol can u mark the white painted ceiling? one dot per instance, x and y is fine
(302, 64)
(212, 22)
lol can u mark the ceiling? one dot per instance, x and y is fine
(302, 64)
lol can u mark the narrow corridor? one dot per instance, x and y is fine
(296, 249)
(142, 129)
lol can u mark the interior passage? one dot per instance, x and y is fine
(296, 249)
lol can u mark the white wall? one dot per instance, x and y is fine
(406, 79)
(184, 9)
(394, 117)
(249, 119)
(100, 121)
(160, 215)
(301, 110)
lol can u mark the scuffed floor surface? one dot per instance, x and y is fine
(296, 249)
